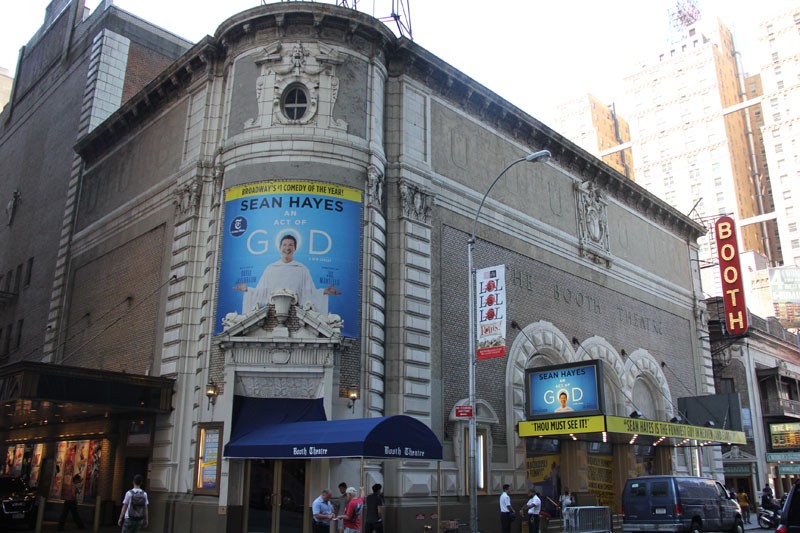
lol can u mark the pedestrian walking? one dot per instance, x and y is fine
(744, 503)
(71, 504)
(134, 515)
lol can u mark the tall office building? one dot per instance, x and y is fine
(690, 143)
(598, 129)
(780, 77)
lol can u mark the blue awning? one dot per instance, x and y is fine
(258, 436)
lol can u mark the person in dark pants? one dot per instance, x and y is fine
(373, 521)
(71, 504)
(534, 507)
(506, 511)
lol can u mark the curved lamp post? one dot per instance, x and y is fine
(536, 157)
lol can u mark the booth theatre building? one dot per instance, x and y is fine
(284, 212)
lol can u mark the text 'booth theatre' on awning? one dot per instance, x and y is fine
(270, 428)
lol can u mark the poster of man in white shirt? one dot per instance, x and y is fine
(302, 237)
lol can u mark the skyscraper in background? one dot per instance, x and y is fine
(690, 135)
(598, 129)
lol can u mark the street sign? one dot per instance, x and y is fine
(463, 411)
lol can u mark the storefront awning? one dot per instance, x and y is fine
(35, 394)
(268, 428)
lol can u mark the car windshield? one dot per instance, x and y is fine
(11, 484)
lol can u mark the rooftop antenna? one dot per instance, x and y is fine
(682, 15)
(400, 14)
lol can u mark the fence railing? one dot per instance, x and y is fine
(587, 519)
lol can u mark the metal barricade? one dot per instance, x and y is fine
(587, 520)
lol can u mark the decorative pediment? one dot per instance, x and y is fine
(737, 455)
(297, 85)
(304, 325)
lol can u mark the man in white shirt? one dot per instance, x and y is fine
(534, 507)
(506, 511)
(286, 273)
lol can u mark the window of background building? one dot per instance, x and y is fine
(481, 459)
(7, 340)
(774, 56)
(726, 386)
(18, 278)
(18, 340)
(28, 272)
(787, 195)
(795, 244)
(793, 227)
(789, 211)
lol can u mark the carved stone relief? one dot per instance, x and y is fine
(187, 198)
(415, 203)
(264, 386)
(310, 67)
(591, 206)
(375, 181)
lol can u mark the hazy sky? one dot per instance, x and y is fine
(534, 53)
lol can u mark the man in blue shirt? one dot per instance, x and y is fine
(322, 509)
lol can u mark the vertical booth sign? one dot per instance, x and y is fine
(731, 273)
(490, 286)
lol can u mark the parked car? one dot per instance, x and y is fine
(677, 504)
(18, 503)
(790, 514)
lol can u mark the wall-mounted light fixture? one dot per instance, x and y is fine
(678, 419)
(212, 391)
(710, 424)
(352, 403)
(636, 414)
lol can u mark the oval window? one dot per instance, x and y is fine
(295, 102)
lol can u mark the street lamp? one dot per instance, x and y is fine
(536, 157)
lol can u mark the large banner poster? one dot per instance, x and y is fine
(490, 286)
(296, 235)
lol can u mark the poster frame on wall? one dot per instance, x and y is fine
(208, 456)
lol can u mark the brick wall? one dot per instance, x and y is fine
(113, 316)
(144, 64)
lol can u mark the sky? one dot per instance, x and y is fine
(534, 53)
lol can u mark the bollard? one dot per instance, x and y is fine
(40, 514)
(97, 511)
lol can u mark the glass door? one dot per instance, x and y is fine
(260, 500)
(276, 499)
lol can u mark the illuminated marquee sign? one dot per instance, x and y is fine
(785, 435)
(565, 390)
(655, 428)
(731, 273)
(562, 426)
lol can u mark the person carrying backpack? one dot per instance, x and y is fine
(134, 508)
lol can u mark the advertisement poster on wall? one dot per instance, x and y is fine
(36, 464)
(76, 457)
(58, 470)
(544, 476)
(297, 235)
(601, 479)
(565, 390)
(490, 290)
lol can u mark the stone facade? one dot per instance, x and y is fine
(313, 95)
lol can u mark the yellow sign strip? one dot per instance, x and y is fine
(562, 426)
(628, 426)
(292, 187)
(640, 426)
